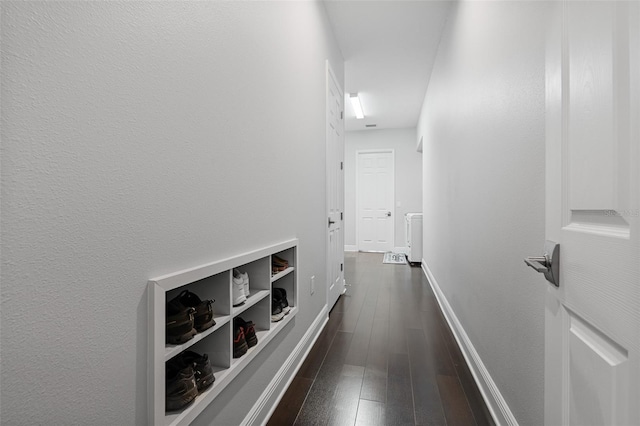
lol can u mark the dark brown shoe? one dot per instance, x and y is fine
(202, 370)
(181, 388)
(180, 322)
(203, 315)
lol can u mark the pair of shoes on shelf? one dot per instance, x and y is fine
(240, 291)
(279, 304)
(187, 375)
(186, 316)
(244, 336)
(278, 264)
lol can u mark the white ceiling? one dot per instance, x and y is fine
(389, 48)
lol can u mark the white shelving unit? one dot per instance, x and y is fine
(214, 281)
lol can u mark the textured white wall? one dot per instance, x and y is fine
(408, 176)
(141, 138)
(483, 128)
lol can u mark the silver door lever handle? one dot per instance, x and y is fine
(549, 264)
(539, 263)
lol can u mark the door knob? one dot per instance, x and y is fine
(388, 213)
(547, 264)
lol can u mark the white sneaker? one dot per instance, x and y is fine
(245, 281)
(237, 288)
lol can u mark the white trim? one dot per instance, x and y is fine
(308, 340)
(393, 190)
(186, 276)
(496, 403)
(350, 248)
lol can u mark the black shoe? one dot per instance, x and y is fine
(249, 329)
(181, 388)
(276, 310)
(201, 368)
(180, 322)
(280, 295)
(203, 316)
(240, 346)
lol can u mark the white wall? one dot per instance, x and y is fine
(408, 176)
(141, 138)
(483, 129)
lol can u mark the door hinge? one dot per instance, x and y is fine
(341, 267)
(341, 216)
(341, 165)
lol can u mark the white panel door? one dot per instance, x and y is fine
(375, 195)
(335, 189)
(592, 321)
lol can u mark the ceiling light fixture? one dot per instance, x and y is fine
(357, 106)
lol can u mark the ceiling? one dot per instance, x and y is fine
(389, 47)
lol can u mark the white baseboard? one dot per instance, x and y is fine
(287, 371)
(400, 250)
(350, 248)
(496, 404)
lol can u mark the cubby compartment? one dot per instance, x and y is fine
(289, 256)
(258, 272)
(214, 288)
(259, 314)
(287, 283)
(214, 281)
(218, 348)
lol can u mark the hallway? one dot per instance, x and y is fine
(386, 357)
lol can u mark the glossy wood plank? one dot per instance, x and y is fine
(374, 386)
(344, 407)
(313, 362)
(362, 333)
(355, 295)
(397, 324)
(317, 407)
(426, 395)
(371, 413)
(454, 401)
(433, 324)
(474, 397)
(399, 410)
(285, 414)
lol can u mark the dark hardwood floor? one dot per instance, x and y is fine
(386, 357)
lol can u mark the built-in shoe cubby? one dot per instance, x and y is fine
(214, 281)
(283, 288)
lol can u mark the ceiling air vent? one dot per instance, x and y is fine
(370, 125)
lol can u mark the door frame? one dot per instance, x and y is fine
(329, 74)
(393, 192)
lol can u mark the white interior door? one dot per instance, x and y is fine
(592, 321)
(375, 199)
(335, 189)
